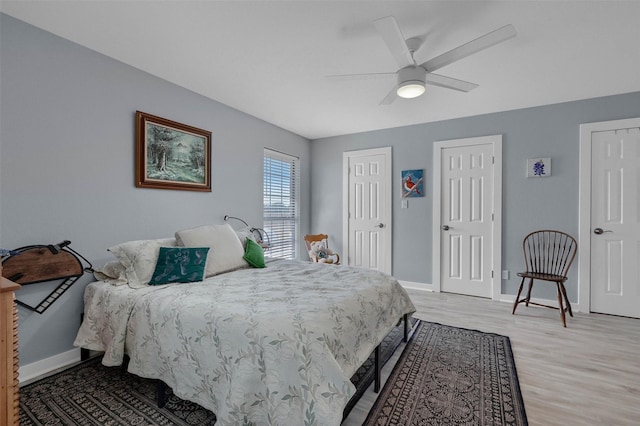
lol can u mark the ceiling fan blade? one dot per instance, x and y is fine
(391, 96)
(368, 76)
(393, 38)
(474, 46)
(449, 83)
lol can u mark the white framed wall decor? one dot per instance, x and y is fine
(538, 167)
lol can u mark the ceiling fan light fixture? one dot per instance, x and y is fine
(410, 89)
(411, 81)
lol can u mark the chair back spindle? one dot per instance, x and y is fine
(549, 252)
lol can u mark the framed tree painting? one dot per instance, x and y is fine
(170, 155)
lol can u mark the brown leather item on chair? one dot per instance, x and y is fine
(310, 238)
(548, 256)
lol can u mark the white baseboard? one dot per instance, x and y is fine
(507, 298)
(416, 286)
(48, 365)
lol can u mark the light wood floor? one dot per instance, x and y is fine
(585, 374)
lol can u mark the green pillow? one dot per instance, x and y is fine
(180, 265)
(254, 254)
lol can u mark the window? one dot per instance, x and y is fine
(280, 205)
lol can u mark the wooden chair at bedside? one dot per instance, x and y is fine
(328, 257)
(548, 256)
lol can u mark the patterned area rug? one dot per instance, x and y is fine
(92, 394)
(451, 376)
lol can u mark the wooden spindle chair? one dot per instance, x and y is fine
(548, 256)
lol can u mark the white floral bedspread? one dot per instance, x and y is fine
(273, 346)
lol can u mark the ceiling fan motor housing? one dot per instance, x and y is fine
(411, 81)
(412, 73)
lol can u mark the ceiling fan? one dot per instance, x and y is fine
(412, 77)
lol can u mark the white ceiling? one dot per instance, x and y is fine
(270, 58)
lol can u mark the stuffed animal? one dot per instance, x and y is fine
(321, 254)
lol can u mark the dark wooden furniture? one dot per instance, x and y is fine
(548, 256)
(8, 353)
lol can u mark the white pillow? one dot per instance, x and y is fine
(139, 258)
(226, 249)
(243, 234)
(112, 272)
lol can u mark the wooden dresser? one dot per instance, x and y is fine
(8, 353)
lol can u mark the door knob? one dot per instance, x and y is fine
(380, 225)
(600, 231)
(446, 227)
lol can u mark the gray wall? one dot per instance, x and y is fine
(528, 204)
(67, 170)
(67, 164)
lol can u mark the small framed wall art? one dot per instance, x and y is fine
(170, 155)
(538, 167)
(412, 183)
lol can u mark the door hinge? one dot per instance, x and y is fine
(491, 274)
(493, 160)
(492, 217)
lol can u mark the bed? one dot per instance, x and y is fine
(274, 345)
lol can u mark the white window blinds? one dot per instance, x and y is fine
(281, 203)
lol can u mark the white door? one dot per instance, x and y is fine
(615, 222)
(467, 212)
(367, 197)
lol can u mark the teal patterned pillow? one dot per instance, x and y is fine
(180, 265)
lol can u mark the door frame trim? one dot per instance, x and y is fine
(584, 203)
(496, 251)
(387, 152)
